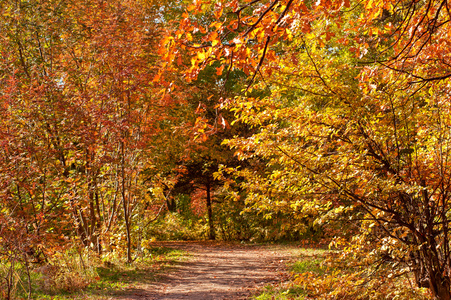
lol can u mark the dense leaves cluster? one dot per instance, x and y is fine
(356, 124)
(81, 103)
(114, 112)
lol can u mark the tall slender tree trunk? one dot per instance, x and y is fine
(125, 206)
(99, 225)
(211, 234)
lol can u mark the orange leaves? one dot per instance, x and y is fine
(156, 78)
(329, 35)
(332, 6)
(202, 129)
(96, 97)
(218, 12)
(191, 7)
(216, 25)
(219, 70)
(223, 122)
(213, 37)
(259, 22)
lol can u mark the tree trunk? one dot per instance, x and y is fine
(99, 225)
(211, 234)
(442, 287)
(426, 269)
(125, 206)
(171, 204)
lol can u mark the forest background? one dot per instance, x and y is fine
(123, 122)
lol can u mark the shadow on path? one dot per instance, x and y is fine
(217, 271)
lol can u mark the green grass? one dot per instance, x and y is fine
(310, 265)
(272, 293)
(112, 278)
(304, 260)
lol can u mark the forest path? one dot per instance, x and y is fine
(218, 271)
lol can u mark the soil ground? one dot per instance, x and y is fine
(218, 271)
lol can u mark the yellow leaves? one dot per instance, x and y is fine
(194, 62)
(216, 25)
(214, 38)
(289, 34)
(369, 4)
(167, 40)
(201, 55)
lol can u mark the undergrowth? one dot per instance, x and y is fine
(306, 260)
(85, 275)
(321, 274)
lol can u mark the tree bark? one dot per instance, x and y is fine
(211, 234)
(125, 206)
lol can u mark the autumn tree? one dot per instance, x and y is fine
(193, 153)
(81, 92)
(356, 120)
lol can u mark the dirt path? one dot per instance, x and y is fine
(218, 271)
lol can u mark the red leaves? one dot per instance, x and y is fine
(90, 97)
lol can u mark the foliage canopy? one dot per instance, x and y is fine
(337, 113)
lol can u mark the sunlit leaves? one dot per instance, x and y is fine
(353, 118)
(83, 98)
